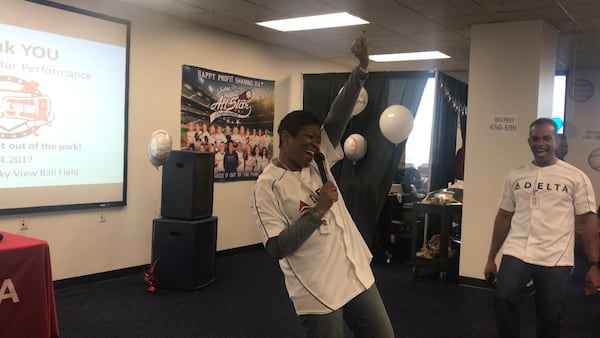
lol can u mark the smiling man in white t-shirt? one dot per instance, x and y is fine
(535, 227)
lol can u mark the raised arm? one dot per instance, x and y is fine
(341, 108)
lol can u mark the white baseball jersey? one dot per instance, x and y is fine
(328, 269)
(545, 201)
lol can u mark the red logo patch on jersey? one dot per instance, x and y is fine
(517, 186)
(303, 207)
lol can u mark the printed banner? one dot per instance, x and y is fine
(231, 116)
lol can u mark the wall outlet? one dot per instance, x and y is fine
(102, 218)
(24, 225)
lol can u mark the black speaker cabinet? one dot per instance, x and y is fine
(187, 185)
(184, 252)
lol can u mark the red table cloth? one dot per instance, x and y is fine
(27, 305)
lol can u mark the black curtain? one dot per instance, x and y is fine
(450, 109)
(365, 183)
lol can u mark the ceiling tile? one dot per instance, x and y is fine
(583, 11)
(495, 6)
(360, 5)
(444, 8)
(296, 8)
(464, 22)
(434, 37)
(396, 25)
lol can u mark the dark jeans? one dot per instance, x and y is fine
(365, 314)
(550, 294)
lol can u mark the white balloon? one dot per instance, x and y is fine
(361, 101)
(159, 148)
(396, 123)
(355, 147)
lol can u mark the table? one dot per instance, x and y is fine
(27, 305)
(446, 214)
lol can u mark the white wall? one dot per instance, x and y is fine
(160, 45)
(508, 64)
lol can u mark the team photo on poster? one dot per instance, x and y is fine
(231, 116)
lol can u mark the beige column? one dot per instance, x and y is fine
(511, 78)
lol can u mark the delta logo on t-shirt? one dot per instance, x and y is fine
(540, 186)
(303, 207)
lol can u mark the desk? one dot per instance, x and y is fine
(27, 307)
(447, 214)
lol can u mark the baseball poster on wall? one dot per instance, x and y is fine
(228, 115)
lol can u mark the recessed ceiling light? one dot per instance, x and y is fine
(432, 55)
(314, 22)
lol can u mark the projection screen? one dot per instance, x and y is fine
(63, 122)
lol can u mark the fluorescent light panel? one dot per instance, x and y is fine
(432, 55)
(314, 22)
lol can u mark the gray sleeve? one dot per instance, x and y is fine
(343, 104)
(290, 239)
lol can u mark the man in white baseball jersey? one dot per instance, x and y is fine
(306, 225)
(535, 226)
